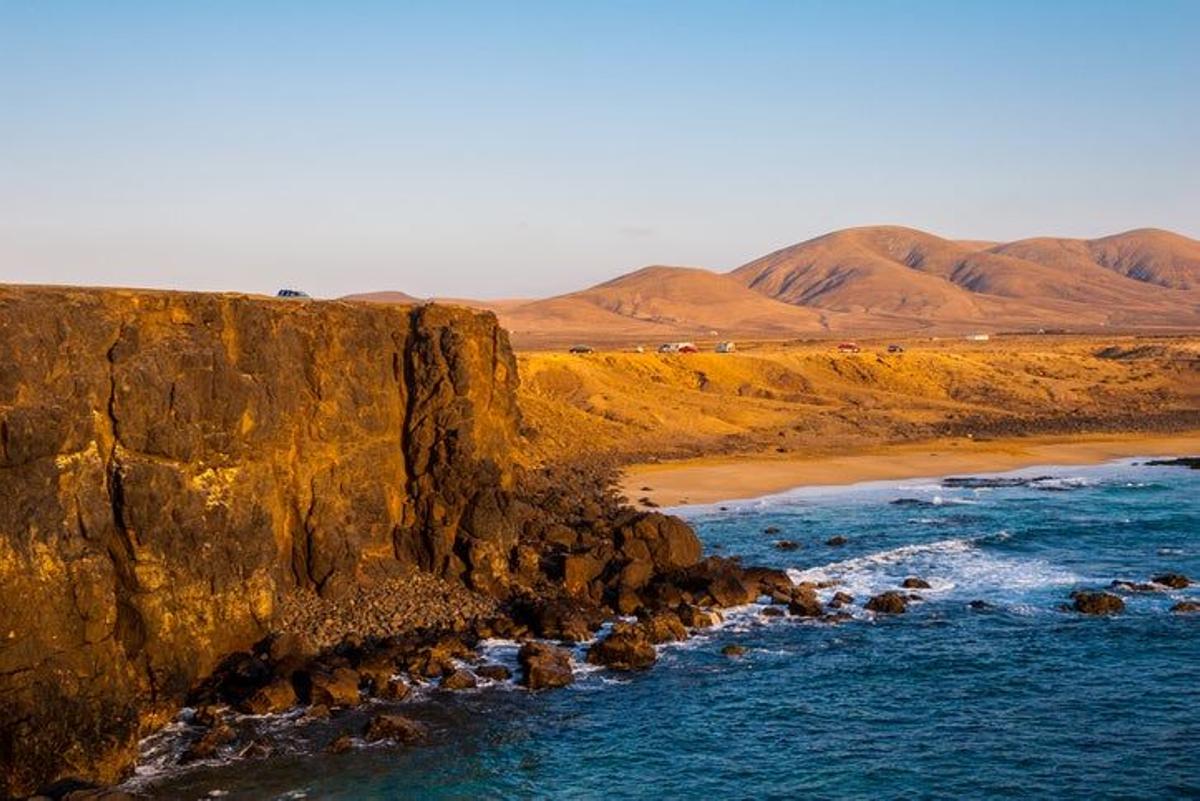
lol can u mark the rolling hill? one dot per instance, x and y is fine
(881, 279)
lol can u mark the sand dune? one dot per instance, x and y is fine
(880, 279)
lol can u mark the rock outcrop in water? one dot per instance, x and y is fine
(173, 464)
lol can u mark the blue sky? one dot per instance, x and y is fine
(505, 149)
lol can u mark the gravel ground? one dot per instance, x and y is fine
(394, 606)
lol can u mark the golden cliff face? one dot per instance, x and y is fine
(172, 463)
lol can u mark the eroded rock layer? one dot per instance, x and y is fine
(173, 464)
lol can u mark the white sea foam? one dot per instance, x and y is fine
(950, 566)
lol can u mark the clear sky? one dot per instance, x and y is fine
(506, 148)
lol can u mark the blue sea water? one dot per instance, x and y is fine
(1018, 699)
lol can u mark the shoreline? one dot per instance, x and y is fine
(716, 479)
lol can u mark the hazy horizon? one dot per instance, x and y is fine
(488, 151)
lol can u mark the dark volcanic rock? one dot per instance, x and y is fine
(339, 687)
(1186, 461)
(627, 648)
(458, 680)
(494, 672)
(840, 599)
(1096, 603)
(914, 583)
(1186, 606)
(1176, 581)
(786, 545)
(805, 603)
(277, 696)
(890, 603)
(544, 666)
(390, 726)
(836, 541)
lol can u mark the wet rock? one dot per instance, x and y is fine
(1133, 586)
(544, 666)
(805, 603)
(837, 618)
(671, 542)
(730, 590)
(391, 726)
(209, 743)
(1187, 607)
(1096, 603)
(915, 583)
(338, 687)
(566, 621)
(772, 611)
(888, 603)
(663, 627)
(786, 545)
(494, 672)
(277, 696)
(768, 580)
(771, 530)
(836, 541)
(317, 712)
(1186, 461)
(459, 680)
(979, 605)
(696, 618)
(397, 689)
(840, 599)
(340, 745)
(1176, 581)
(733, 650)
(626, 648)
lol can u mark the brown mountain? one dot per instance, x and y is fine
(882, 279)
(1130, 279)
(1149, 255)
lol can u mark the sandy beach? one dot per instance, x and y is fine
(713, 479)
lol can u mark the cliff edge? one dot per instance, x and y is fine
(173, 464)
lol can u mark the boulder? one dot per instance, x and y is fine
(1186, 607)
(579, 570)
(340, 745)
(338, 687)
(391, 726)
(772, 611)
(626, 648)
(278, 695)
(1176, 581)
(544, 666)
(840, 599)
(733, 650)
(836, 541)
(663, 627)
(889, 603)
(805, 603)
(459, 680)
(493, 672)
(696, 618)
(786, 545)
(564, 620)
(728, 589)
(209, 742)
(915, 583)
(1133, 586)
(672, 543)
(1096, 603)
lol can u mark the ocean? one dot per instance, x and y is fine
(1007, 697)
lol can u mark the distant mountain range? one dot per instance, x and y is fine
(876, 280)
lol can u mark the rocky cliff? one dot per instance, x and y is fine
(173, 464)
